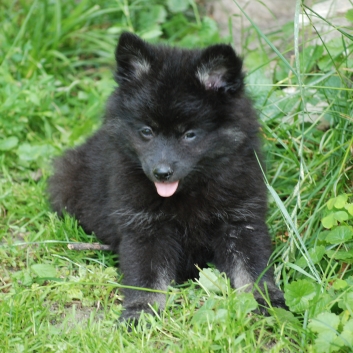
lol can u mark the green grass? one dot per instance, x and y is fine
(56, 63)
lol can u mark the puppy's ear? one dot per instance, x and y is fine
(220, 69)
(133, 56)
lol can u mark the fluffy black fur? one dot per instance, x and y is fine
(177, 115)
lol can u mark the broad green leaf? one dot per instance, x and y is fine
(339, 235)
(320, 304)
(154, 15)
(347, 333)
(27, 280)
(324, 322)
(211, 280)
(334, 46)
(74, 294)
(326, 325)
(210, 304)
(247, 302)
(298, 295)
(349, 15)
(340, 254)
(316, 255)
(327, 342)
(152, 33)
(159, 13)
(24, 277)
(349, 208)
(346, 301)
(339, 284)
(259, 85)
(202, 316)
(333, 218)
(177, 5)
(322, 235)
(206, 34)
(29, 152)
(337, 202)
(8, 143)
(341, 216)
(221, 315)
(341, 200)
(331, 203)
(285, 315)
(329, 221)
(44, 270)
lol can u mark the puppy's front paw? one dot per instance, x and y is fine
(132, 313)
(276, 300)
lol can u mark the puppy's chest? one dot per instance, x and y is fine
(188, 224)
(194, 235)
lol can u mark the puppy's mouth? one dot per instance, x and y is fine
(166, 189)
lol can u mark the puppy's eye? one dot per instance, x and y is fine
(190, 135)
(146, 132)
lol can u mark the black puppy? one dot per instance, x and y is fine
(172, 179)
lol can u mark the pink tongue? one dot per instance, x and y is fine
(166, 189)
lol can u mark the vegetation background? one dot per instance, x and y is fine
(56, 63)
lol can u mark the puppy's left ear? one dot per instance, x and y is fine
(220, 69)
(134, 57)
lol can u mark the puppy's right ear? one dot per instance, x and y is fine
(220, 69)
(134, 57)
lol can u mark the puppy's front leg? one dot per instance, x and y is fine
(147, 262)
(242, 251)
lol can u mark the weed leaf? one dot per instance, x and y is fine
(339, 284)
(349, 15)
(341, 216)
(27, 152)
(333, 218)
(349, 208)
(247, 302)
(329, 221)
(8, 143)
(177, 5)
(340, 234)
(298, 295)
(340, 201)
(346, 302)
(285, 316)
(74, 294)
(327, 342)
(324, 322)
(326, 325)
(211, 280)
(347, 333)
(44, 270)
(315, 254)
(340, 255)
(337, 202)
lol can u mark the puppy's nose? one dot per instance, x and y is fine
(162, 172)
